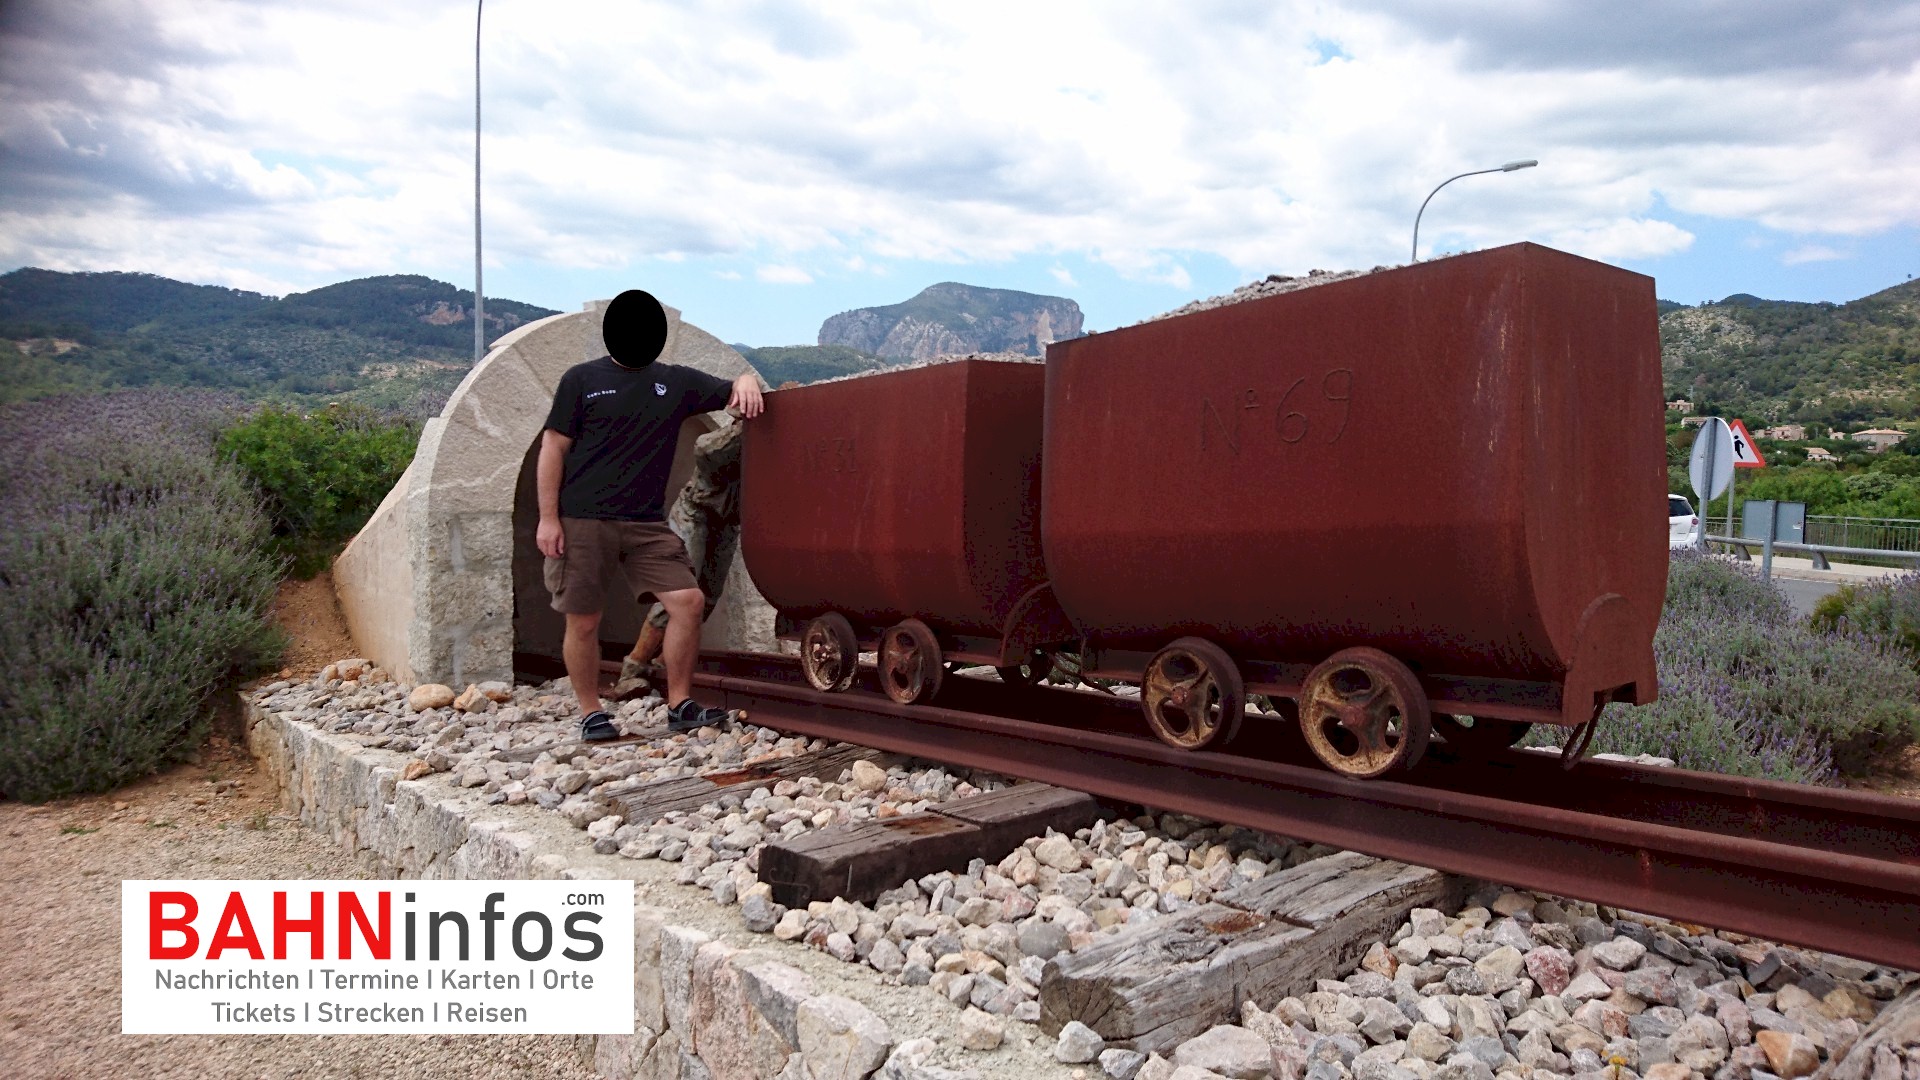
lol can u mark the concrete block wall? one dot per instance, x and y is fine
(427, 587)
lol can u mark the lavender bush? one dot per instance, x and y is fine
(1888, 609)
(1748, 690)
(132, 586)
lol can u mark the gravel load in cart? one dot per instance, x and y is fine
(898, 513)
(1419, 500)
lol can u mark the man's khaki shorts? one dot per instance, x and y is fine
(647, 553)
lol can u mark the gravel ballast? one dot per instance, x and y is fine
(1512, 987)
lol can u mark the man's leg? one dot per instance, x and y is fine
(581, 651)
(682, 645)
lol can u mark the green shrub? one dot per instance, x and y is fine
(320, 475)
(133, 586)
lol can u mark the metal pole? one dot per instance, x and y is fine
(1706, 506)
(1731, 478)
(1510, 166)
(479, 301)
(1766, 552)
(1423, 208)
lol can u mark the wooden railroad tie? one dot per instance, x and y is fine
(861, 861)
(1152, 987)
(654, 800)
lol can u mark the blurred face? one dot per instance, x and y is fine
(634, 328)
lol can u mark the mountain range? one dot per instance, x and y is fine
(399, 341)
(951, 319)
(404, 342)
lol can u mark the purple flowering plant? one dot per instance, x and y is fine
(134, 585)
(1748, 689)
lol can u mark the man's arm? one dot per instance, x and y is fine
(550, 538)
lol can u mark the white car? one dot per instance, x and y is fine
(1683, 525)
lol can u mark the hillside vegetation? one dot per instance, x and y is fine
(394, 342)
(780, 364)
(1850, 365)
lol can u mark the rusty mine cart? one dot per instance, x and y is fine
(1414, 503)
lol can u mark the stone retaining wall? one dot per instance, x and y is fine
(704, 1009)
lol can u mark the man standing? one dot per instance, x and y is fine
(602, 482)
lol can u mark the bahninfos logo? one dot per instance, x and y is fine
(386, 957)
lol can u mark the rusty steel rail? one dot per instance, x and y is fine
(1828, 869)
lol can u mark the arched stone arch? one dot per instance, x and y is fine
(429, 586)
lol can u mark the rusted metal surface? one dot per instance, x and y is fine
(829, 652)
(1192, 695)
(1363, 713)
(909, 494)
(1825, 868)
(909, 662)
(1458, 462)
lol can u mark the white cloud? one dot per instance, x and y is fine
(1808, 253)
(1625, 238)
(783, 275)
(1062, 275)
(296, 144)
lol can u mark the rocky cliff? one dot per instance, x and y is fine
(951, 318)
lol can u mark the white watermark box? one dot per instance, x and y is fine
(376, 957)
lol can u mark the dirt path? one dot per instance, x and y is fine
(309, 611)
(1899, 775)
(60, 939)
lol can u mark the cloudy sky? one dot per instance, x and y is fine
(762, 165)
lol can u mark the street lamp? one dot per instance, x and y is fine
(1510, 166)
(479, 303)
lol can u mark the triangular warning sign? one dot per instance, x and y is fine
(1745, 454)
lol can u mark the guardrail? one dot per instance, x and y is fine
(1818, 551)
(1887, 534)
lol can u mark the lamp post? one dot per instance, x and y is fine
(1510, 166)
(479, 302)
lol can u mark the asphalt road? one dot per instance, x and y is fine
(1804, 594)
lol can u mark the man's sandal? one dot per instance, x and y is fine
(598, 727)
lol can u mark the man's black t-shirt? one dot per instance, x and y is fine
(624, 423)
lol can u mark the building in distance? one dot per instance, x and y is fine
(1878, 439)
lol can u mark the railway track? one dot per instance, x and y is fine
(1827, 869)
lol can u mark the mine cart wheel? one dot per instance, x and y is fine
(1364, 714)
(1473, 737)
(829, 653)
(910, 662)
(1037, 666)
(1193, 695)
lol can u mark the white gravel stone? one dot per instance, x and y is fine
(1620, 954)
(1122, 1064)
(1058, 852)
(1078, 1043)
(1229, 1050)
(841, 1038)
(980, 1031)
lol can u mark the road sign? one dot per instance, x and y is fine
(1787, 521)
(1745, 454)
(1711, 467)
(1768, 521)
